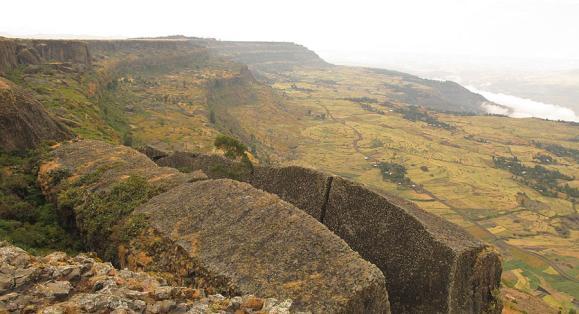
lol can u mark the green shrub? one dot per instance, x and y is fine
(99, 214)
(233, 148)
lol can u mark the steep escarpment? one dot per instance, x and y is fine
(8, 57)
(267, 56)
(14, 52)
(431, 265)
(221, 234)
(23, 121)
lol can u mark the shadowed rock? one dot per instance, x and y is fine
(153, 152)
(24, 123)
(432, 266)
(221, 235)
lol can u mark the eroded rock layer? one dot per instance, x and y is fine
(221, 235)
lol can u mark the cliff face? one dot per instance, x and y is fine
(8, 57)
(23, 121)
(430, 265)
(267, 56)
(112, 46)
(20, 51)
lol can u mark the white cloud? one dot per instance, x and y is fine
(524, 108)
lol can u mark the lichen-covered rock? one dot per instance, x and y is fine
(254, 242)
(24, 123)
(100, 288)
(97, 185)
(221, 235)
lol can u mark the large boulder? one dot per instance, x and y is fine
(24, 123)
(431, 265)
(221, 235)
(256, 243)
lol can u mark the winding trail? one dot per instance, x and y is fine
(421, 190)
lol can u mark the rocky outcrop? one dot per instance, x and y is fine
(24, 123)
(431, 265)
(58, 283)
(14, 52)
(308, 189)
(221, 235)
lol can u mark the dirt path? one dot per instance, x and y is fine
(359, 136)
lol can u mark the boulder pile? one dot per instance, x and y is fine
(58, 283)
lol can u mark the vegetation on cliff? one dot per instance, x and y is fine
(26, 218)
(100, 214)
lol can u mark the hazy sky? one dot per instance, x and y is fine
(520, 28)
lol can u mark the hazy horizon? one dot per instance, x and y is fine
(494, 28)
(473, 42)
